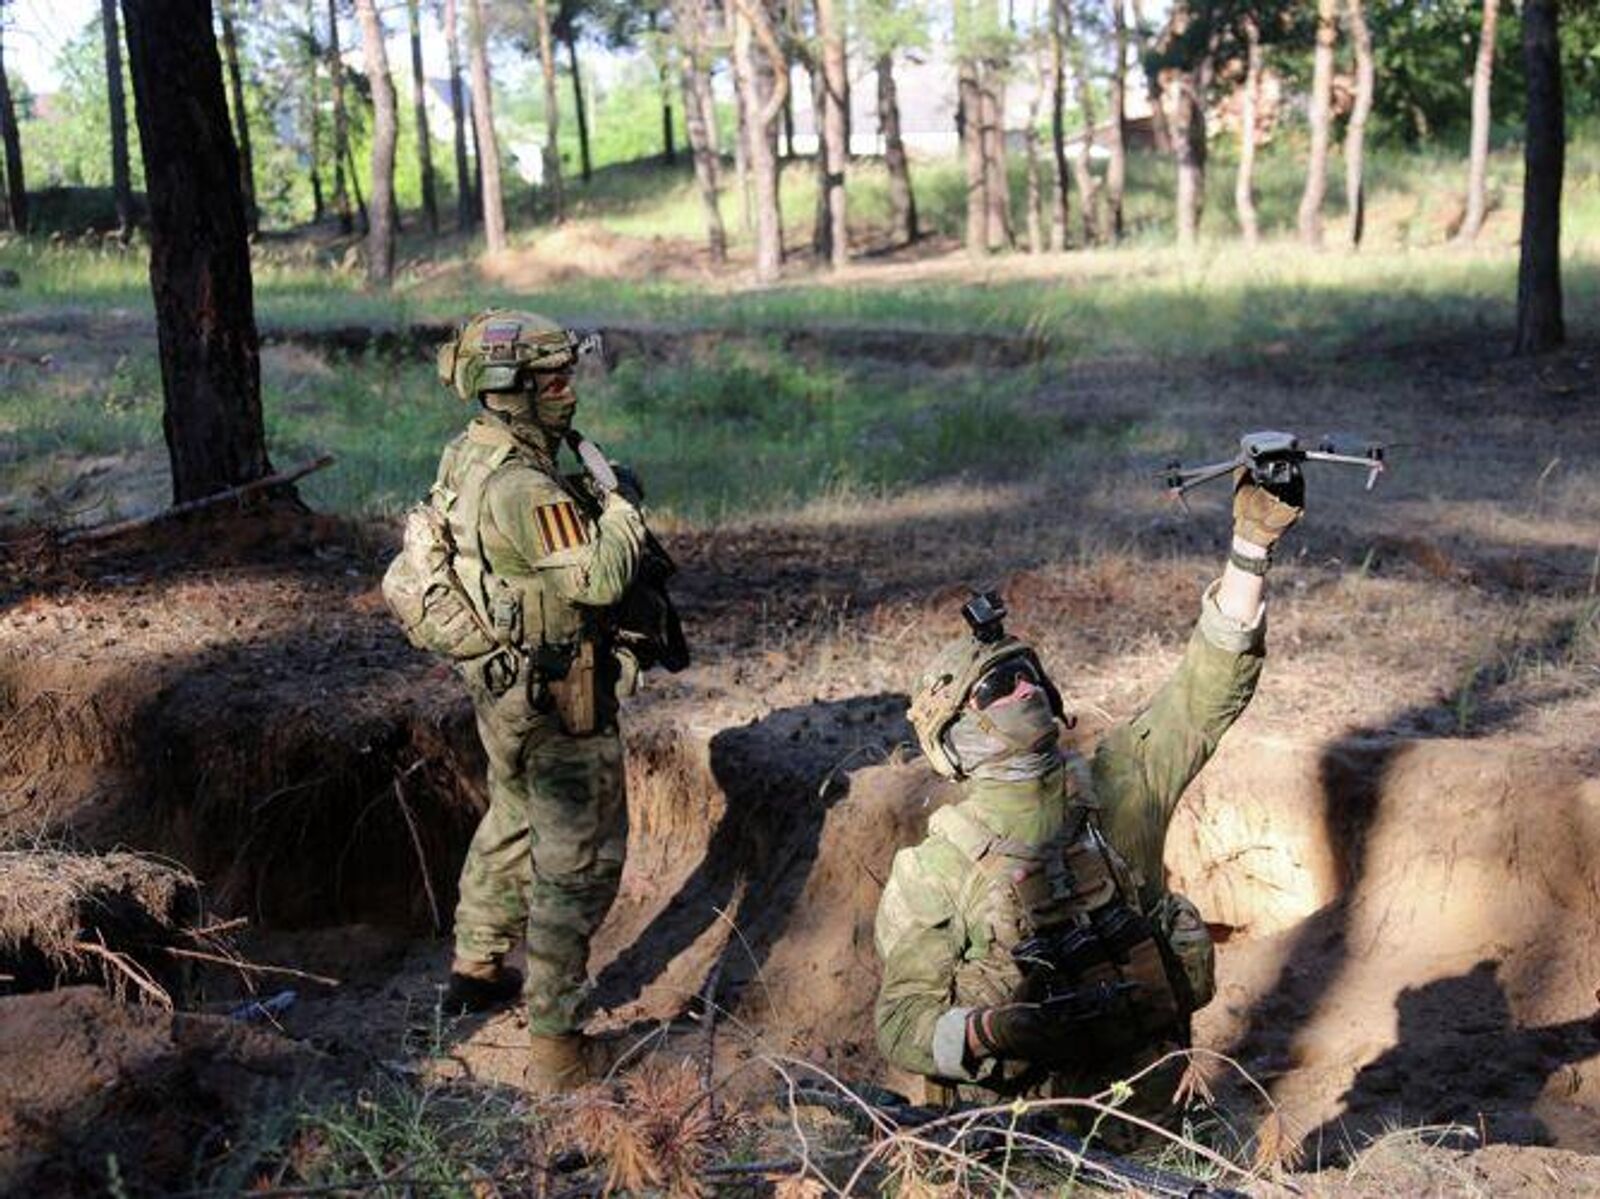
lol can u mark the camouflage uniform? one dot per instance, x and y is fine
(942, 954)
(546, 858)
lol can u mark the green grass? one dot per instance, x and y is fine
(750, 427)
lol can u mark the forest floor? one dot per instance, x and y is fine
(1397, 844)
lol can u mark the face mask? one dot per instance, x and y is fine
(1012, 740)
(554, 403)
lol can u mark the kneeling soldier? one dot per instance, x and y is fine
(1029, 946)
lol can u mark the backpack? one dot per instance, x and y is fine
(426, 595)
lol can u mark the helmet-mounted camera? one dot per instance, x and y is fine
(985, 614)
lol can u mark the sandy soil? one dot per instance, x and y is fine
(1398, 840)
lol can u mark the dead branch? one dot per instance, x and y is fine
(247, 967)
(125, 966)
(117, 529)
(416, 844)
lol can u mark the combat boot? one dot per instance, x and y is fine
(479, 986)
(557, 1064)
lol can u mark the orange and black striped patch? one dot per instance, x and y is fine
(560, 526)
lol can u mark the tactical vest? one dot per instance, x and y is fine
(1046, 921)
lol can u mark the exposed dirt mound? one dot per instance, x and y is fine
(88, 1080)
(67, 918)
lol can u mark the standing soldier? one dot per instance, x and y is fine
(1029, 945)
(519, 573)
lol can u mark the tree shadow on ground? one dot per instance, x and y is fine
(780, 776)
(1354, 774)
(1458, 1059)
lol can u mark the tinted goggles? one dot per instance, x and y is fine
(1002, 680)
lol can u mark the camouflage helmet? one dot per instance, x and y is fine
(497, 350)
(942, 689)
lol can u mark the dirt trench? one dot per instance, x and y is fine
(1412, 926)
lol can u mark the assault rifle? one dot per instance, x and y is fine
(1095, 1165)
(1274, 460)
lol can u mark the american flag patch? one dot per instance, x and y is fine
(560, 526)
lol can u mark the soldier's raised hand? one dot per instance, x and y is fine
(1264, 513)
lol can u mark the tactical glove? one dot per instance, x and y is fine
(1015, 1030)
(1262, 515)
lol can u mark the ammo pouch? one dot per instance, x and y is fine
(574, 695)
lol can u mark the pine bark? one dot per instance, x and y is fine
(1244, 186)
(552, 111)
(16, 186)
(973, 157)
(116, 110)
(821, 229)
(585, 158)
(836, 145)
(1033, 202)
(466, 200)
(241, 115)
(742, 107)
(494, 213)
(1060, 204)
(760, 62)
(997, 187)
(1478, 164)
(1320, 120)
(199, 250)
(689, 21)
(1189, 146)
(1540, 326)
(1355, 137)
(385, 137)
(341, 123)
(902, 197)
(419, 105)
(1117, 164)
(1082, 170)
(314, 112)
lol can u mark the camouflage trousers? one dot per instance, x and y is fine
(547, 856)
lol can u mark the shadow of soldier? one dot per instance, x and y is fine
(779, 777)
(1458, 1059)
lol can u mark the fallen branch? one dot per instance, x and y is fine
(156, 992)
(117, 529)
(245, 967)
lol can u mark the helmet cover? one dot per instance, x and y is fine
(499, 349)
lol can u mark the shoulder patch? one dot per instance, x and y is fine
(561, 527)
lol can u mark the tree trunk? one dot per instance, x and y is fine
(821, 228)
(121, 176)
(973, 154)
(585, 161)
(494, 213)
(385, 135)
(669, 150)
(466, 201)
(419, 104)
(1160, 131)
(1117, 164)
(689, 20)
(1189, 143)
(1082, 168)
(16, 187)
(1059, 203)
(241, 116)
(552, 112)
(365, 222)
(902, 199)
(997, 186)
(1244, 187)
(1319, 118)
(1539, 321)
(341, 122)
(199, 250)
(1355, 136)
(766, 81)
(1478, 167)
(1035, 193)
(314, 115)
(743, 106)
(836, 146)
